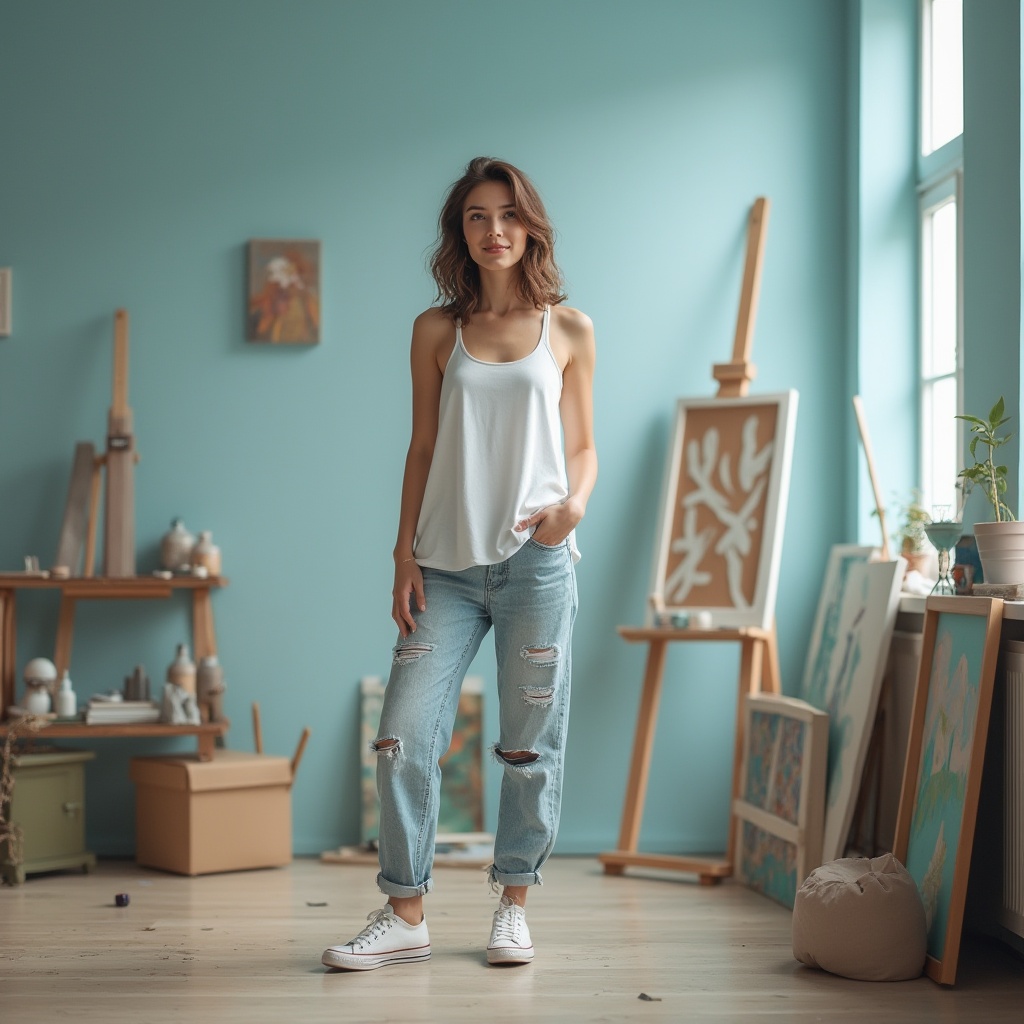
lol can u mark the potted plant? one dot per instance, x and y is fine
(911, 539)
(1001, 541)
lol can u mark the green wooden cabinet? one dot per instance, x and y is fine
(49, 805)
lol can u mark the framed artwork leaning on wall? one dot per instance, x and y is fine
(945, 754)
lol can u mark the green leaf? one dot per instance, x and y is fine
(997, 410)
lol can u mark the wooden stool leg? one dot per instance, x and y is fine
(8, 665)
(772, 681)
(643, 742)
(65, 633)
(204, 639)
(752, 651)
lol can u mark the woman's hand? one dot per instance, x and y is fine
(554, 523)
(408, 584)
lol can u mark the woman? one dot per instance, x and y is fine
(501, 372)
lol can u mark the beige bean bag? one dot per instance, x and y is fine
(861, 918)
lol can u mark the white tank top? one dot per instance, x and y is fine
(497, 459)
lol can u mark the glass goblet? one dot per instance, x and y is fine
(943, 534)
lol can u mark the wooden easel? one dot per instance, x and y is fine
(759, 659)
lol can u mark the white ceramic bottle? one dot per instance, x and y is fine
(182, 671)
(206, 553)
(176, 547)
(67, 700)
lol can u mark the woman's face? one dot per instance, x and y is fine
(495, 236)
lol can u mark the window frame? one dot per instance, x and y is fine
(940, 176)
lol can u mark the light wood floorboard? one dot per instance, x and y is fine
(246, 947)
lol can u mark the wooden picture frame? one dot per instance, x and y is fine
(723, 509)
(461, 810)
(283, 291)
(843, 674)
(945, 754)
(779, 815)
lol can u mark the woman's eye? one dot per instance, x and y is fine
(511, 214)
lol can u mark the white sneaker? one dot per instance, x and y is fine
(510, 938)
(387, 939)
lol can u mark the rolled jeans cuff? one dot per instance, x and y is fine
(496, 877)
(390, 888)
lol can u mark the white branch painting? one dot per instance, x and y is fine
(732, 503)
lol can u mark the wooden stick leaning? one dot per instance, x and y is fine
(119, 533)
(299, 750)
(257, 728)
(865, 440)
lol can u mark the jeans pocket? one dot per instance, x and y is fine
(548, 547)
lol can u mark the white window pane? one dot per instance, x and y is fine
(946, 102)
(939, 319)
(940, 436)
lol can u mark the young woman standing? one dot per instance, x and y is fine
(499, 470)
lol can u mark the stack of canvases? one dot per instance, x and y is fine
(805, 757)
(805, 760)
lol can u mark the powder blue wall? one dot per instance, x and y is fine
(144, 143)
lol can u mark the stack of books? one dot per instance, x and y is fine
(121, 712)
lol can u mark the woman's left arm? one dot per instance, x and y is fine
(556, 522)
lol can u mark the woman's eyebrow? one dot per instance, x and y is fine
(504, 206)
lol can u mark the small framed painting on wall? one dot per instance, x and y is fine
(283, 305)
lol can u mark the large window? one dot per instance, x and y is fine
(939, 187)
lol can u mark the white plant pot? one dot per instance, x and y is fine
(1001, 549)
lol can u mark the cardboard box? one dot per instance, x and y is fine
(229, 814)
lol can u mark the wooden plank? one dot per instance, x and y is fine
(734, 377)
(7, 650)
(865, 440)
(94, 513)
(119, 507)
(643, 744)
(710, 869)
(65, 634)
(76, 510)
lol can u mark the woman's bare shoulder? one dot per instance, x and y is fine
(573, 323)
(432, 328)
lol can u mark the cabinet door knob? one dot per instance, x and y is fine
(72, 807)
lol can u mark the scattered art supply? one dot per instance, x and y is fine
(122, 899)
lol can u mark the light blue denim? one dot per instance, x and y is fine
(531, 601)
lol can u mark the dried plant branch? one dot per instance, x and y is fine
(10, 834)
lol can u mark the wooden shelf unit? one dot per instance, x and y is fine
(131, 588)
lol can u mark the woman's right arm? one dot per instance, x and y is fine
(428, 335)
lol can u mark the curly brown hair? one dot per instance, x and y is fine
(455, 271)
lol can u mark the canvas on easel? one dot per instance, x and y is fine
(718, 551)
(719, 543)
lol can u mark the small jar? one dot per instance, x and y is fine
(206, 553)
(67, 701)
(182, 671)
(176, 547)
(37, 699)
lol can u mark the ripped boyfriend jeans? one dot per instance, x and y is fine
(531, 601)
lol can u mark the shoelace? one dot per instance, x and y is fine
(379, 924)
(507, 922)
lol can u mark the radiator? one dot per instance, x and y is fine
(1012, 908)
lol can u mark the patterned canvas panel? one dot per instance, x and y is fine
(768, 864)
(763, 730)
(788, 774)
(462, 787)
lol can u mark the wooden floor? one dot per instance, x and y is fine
(246, 947)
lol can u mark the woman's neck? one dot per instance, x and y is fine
(499, 292)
